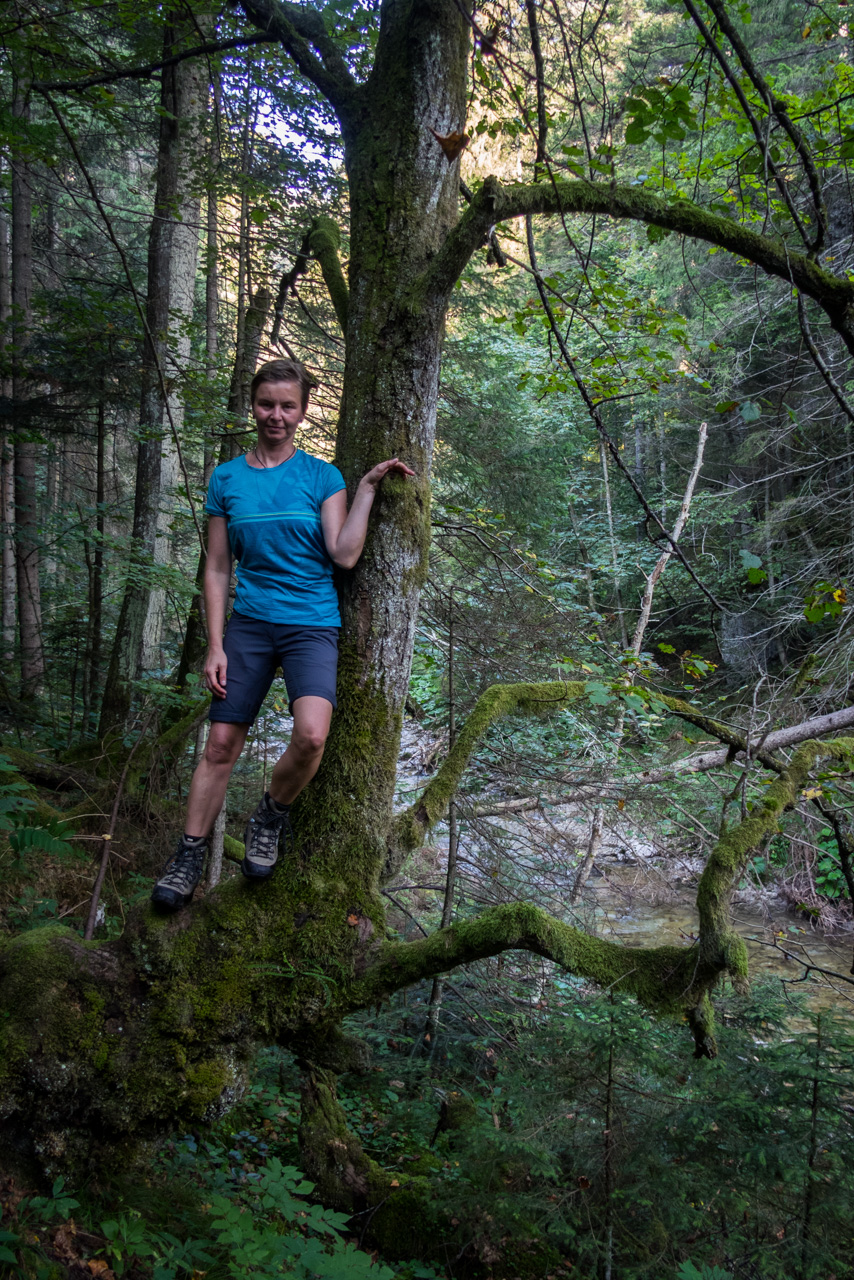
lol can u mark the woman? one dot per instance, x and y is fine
(283, 515)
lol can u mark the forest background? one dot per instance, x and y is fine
(642, 483)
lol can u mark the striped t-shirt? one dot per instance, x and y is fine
(284, 573)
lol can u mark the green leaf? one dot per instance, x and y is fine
(636, 133)
(599, 694)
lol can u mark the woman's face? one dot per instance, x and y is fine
(278, 412)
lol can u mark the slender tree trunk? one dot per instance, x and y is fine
(593, 846)
(437, 990)
(7, 470)
(252, 327)
(661, 563)
(812, 1154)
(608, 1137)
(217, 848)
(640, 475)
(172, 250)
(183, 251)
(212, 271)
(96, 579)
(26, 451)
(582, 551)
(609, 512)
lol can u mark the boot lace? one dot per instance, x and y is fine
(267, 827)
(185, 867)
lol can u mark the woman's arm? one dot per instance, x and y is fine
(344, 534)
(217, 583)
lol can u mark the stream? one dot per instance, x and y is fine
(638, 894)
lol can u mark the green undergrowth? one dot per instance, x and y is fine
(543, 1131)
(583, 1134)
(225, 1203)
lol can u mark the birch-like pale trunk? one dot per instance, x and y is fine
(678, 527)
(180, 285)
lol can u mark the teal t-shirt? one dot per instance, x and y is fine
(284, 573)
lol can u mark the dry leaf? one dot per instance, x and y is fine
(451, 143)
(99, 1267)
(352, 919)
(621, 804)
(394, 1183)
(64, 1242)
(812, 793)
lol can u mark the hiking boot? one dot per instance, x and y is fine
(182, 873)
(264, 831)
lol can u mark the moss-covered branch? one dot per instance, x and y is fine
(411, 826)
(664, 978)
(718, 941)
(736, 741)
(495, 203)
(324, 242)
(668, 979)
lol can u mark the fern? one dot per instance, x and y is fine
(30, 834)
(688, 1271)
(14, 794)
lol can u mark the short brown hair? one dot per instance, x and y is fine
(283, 371)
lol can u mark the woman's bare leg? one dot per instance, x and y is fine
(296, 768)
(207, 789)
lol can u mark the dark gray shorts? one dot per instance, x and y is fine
(308, 657)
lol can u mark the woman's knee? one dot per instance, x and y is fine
(225, 743)
(309, 740)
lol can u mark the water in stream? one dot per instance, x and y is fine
(777, 944)
(637, 896)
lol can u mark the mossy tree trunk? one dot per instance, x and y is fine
(404, 202)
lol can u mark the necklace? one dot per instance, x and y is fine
(269, 467)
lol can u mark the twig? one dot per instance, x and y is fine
(108, 836)
(598, 421)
